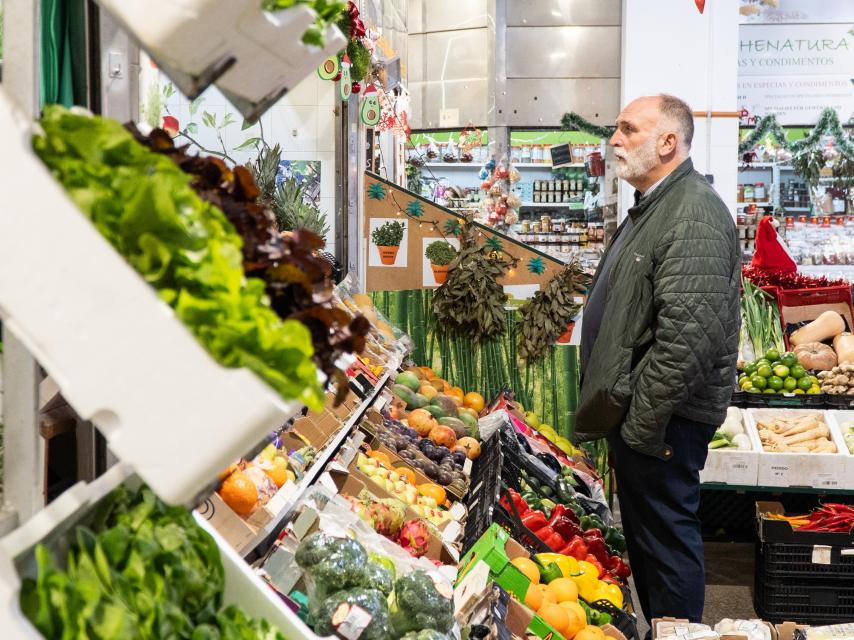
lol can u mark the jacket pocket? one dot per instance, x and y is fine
(604, 412)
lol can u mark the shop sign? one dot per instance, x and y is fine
(796, 70)
(795, 11)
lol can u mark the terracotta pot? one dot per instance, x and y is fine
(388, 255)
(566, 336)
(440, 272)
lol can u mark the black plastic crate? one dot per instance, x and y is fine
(806, 600)
(778, 560)
(621, 619)
(840, 402)
(778, 401)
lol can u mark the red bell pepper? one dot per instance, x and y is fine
(618, 568)
(575, 547)
(517, 500)
(566, 528)
(595, 562)
(593, 534)
(562, 511)
(551, 538)
(597, 548)
(535, 520)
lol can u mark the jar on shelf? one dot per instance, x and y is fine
(749, 194)
(536, 154)
(759, 193)
(526, 154)
(740, 196)
(515, 154)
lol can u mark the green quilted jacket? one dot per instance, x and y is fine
(668, 341)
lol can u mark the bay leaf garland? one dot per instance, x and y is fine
(471, 302)
(546, 315)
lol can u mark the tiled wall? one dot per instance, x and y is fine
(303, 123)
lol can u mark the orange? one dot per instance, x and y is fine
(407, 473)
(528, 567)
(555, 615)
(534, 596)
(228, 471)
(590, 633)
(574, 624)
(239, 493)
(548, 596)
(473, 400)
(278, 473)
(428, 373)
(563, 589)
(577, 608)
(456, 392)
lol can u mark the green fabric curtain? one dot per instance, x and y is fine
(63, 53)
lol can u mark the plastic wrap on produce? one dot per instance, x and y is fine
(749, 629)
(832, 632)
(490, 425)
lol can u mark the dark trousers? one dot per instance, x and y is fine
(658, 505)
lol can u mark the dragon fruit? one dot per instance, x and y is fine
(414, 537)
(385, 516)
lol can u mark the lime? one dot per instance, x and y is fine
(781, 371)
(761, 362)
(742, 378)
(771, 391)
(747, 385)
(776, 363)
(814, 390)
(758, 382)
(774, 382)
(750, 369)
(789, 359)
(798, 372)
(753, 390)
(814, 380)
(804, 383)
(765, 371)
(798, 392)
(772, 354)
(790, 384)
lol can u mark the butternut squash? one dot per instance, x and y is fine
(843, 344)
(828, 325)
(816, 356)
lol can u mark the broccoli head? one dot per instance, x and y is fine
(376, 576)
(417, 604)
(332, 613)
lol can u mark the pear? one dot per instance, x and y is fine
(532, 420)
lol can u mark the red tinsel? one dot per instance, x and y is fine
(357, 27)
(787, 280)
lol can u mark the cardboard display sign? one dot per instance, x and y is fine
(405, 266)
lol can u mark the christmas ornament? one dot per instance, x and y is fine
(330, 68)
(484, 174)
(370, 110)
(345, 85)
(356, 87)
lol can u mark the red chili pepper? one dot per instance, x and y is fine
(576, 548)
(595, 562)
(535, 520)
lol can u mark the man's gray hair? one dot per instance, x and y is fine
(678, 114)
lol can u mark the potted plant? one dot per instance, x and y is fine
(388, 237)
(440, 254)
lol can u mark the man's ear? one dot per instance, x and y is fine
(667, 144)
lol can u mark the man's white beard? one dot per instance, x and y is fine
(638, 163)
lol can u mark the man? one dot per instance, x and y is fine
(659, 346)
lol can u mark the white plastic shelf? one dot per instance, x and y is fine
(118, 353)
(252, 55)
(553, 205)
(50, 527)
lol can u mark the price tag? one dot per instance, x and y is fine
(350, 620)
(821, 554)
(826, 480)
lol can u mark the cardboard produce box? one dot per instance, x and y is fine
(350, 485)
(682, 630)
(814, 470)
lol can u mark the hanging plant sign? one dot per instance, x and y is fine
(330, 68)
(345, 84)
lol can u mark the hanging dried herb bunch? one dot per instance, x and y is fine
(471, 302)
(546, 315)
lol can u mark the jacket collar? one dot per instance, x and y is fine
(642, 204)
